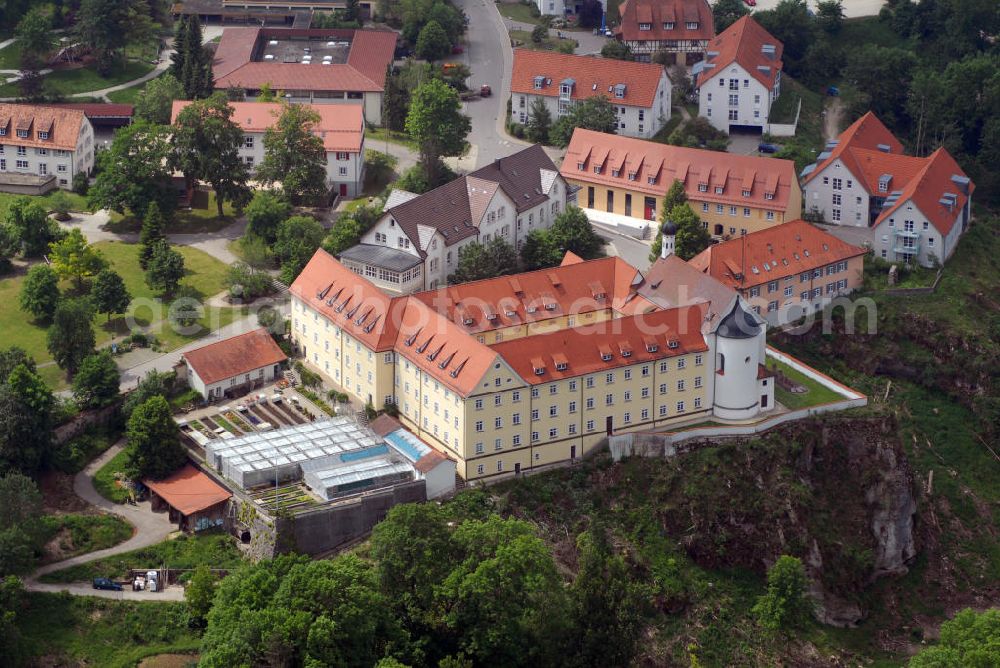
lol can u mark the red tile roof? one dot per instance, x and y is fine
(626, 341)
(658, 12)
(234, 356)
(188, 490)
(691, 166)
(927, 188)
(341, 126)
(63, 125)
(743, 43)
(350, 301)
(868, 132)
(533, 296)
(99, 109)
(773, 253)
(592, 76)
(365, 70)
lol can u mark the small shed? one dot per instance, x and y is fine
(195, 501)
(234, 366)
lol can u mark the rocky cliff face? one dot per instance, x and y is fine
(836, 492)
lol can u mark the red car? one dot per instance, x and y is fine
(485, 90)
(751, 3)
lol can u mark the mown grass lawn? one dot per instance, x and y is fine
(64, 630)
(517, 11)
(84, 79)
(814, 395)
(10, 57)
(131, 94)
(204, 278)
(550, 43)
(86, 533)
(77, 202)
(203, 219)
(217, 550)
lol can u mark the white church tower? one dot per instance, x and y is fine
(743, 388)
(668, 237)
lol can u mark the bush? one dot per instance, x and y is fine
(72, 456)
(309, 378)
(539, 33)
(81, 184)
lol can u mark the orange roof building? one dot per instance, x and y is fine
(917, 207)
(732, 194)
(317, 66)
(740, 77)
(533, 369)
(57, 144)
(233, 365)
(341, 128)
(785, 272)
(194, 500)
(640, 92)
(682, 28)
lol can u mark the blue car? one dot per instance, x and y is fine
(105, 583)
(768, 148)
(833, 91)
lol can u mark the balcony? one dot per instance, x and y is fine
(912, 250)
(907, 234)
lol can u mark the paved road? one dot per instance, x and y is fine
(150, 528)
(633, 251)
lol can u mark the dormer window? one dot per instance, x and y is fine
(631, 176)
(673, 343)
(538, 366)
(691, 25)
(668, 25)
(626, 353)
(718, 190)
(3, 131)
(746, 193)
(651, 179)
(606, 357)
(539, 82)
(581, 166)
(703, 187)
(597, 169)
(23, 134)
(565, 89)
(616, 173)
(645, 26)
(43, 135)
(768, 195)
(620, 91)
(651, 347)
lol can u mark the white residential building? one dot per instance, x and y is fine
(639, 92)
(341, 127)
(740, 77)
(42, 142)
(416, 243)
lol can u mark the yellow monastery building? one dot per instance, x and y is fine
(530, 370)
(732, 194)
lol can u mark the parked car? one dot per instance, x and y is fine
(768, 148)
(833, 91)
(485, 90)
(750, 3)
(457, 49)
(105, 583)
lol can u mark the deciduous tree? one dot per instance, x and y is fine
(154, 449)
(165, 268)
(297, 241)
(20, 523)
(25, 420)
(109, 293)
(594, 113)
(433, 43)
(265, 212)
(616, 50)
(539, 122)
(478, 261)
(134, 171)
(73, 258)
(95, 384)
(675, 197)
(692, 237)
(206, 148)
(35, 37)
(293, 155)
(32, 226)
(40, 292)
(71, 336)
(199, 593)
(970, 638)
(154, 383)
(156, 99)
(786, 604)
(436, 123)
(727, 12)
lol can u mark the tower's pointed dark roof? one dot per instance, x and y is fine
(739, 324)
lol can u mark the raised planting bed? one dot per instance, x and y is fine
(238, 421)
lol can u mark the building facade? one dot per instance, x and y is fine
(788, 272)
(740, 77)
(732, 194)
(639, 92)
(415, 245)
(918, 208)
(311, 66)
(342, 129)
(44, 142)
(530, 370)
(233, 366)
(681, 29)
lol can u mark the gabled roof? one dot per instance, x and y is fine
(672, 282)
(449, 209)
(188, 490)
(773, 253)
(868, 132)
(570, 289)
(590, 75)
(940, 190)
(350, 301)
(605, 346)
(370, 54)
(747, 44)
(522, 176)
(340, 126)
(658, 12)
(62, 124)
(692, 166)
(99, 109)
(234, 356)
